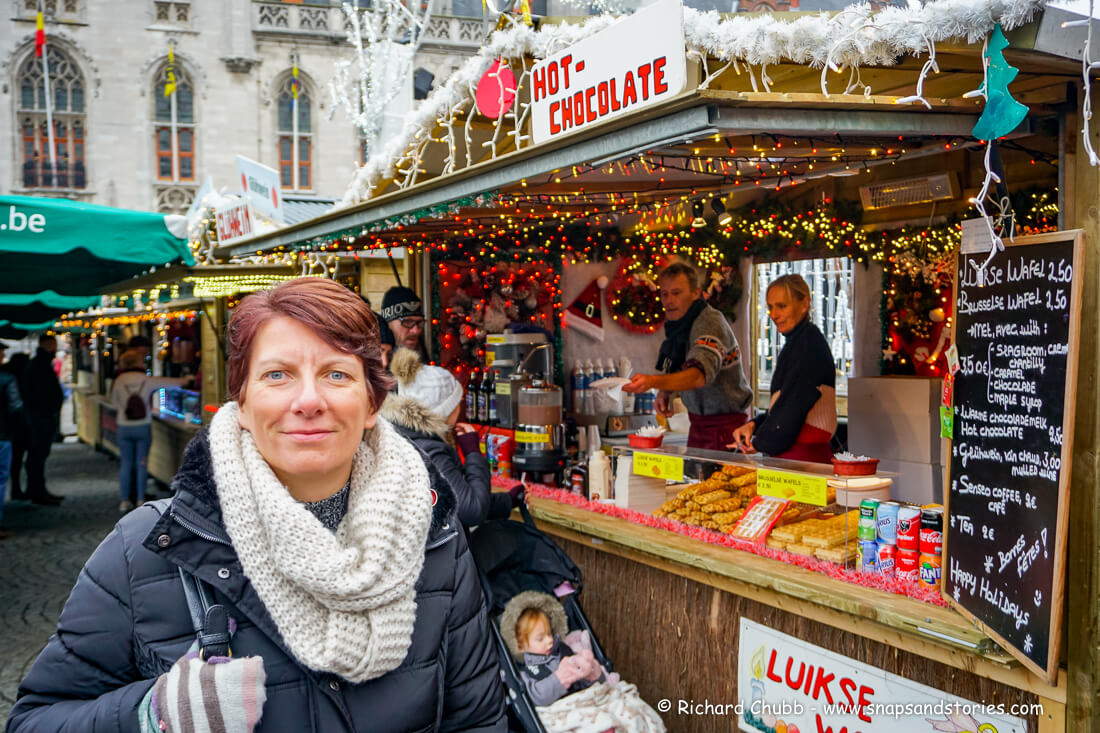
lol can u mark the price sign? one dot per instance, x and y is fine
(1012, 417)
(670, 468)
(523, 436)
(794, 486)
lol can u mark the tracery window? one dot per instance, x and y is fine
(174, 125)
(66, 84)
(295, 135)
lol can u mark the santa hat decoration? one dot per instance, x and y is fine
(584, 313)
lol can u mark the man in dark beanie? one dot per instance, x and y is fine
(384, 333)
(403, 311)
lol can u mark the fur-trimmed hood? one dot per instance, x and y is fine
(544, 602)
(404, 364)
(409, 413)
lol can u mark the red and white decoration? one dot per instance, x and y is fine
(585, 314)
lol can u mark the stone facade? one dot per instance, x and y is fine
(237, 55)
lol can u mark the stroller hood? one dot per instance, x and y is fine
(531, 599)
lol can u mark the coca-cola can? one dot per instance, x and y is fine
(931, 530)
(907, 566)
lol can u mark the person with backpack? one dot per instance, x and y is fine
(130, 396)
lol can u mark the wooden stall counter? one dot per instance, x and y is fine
(170, 438)
(667, 608)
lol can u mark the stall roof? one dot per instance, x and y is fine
(299, 208)
(668, 149)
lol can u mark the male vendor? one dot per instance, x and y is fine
(700, 359)
(403, 312)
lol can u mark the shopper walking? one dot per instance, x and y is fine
(20, 429)
(130, 395)
(42, 397)
(11, 418)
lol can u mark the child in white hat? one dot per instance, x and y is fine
(425, 410)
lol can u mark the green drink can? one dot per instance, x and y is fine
(868, 527)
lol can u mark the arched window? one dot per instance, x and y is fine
(174, 125)
(69, 122)
(295, 138)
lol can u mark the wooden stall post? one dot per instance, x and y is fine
(1083, 582)
(213, 353)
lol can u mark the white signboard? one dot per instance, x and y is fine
(260, 187)
(781, 679)
(233, 222)
(975, 236)
(635, 63)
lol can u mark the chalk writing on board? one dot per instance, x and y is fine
(1013, 332)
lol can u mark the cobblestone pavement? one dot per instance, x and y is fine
(40, 562)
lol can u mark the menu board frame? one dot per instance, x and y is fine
(1058, 546)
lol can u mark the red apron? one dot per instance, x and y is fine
(812, 444)
(714, 432)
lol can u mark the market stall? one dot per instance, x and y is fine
(180, 312)
(540, 241)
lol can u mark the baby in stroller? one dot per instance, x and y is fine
(552, 667)
(572, 692)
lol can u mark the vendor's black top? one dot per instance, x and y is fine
(805, 363)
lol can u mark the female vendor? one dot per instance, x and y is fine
(801, 418)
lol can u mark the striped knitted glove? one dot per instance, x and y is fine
(221, 695)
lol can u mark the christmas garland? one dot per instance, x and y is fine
(633, 300)
(479, 300)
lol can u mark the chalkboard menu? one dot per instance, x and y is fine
(1016, 329)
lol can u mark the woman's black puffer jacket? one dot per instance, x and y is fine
(470, 481)
(126, 622)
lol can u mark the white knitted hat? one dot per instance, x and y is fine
(432, 386)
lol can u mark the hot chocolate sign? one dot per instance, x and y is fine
(611, 73)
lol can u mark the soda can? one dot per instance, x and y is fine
(931, 566)
(931, 530)
(886, 517)
(868, 529)
(907, 566)
(909, 521)
(867, 556)
(887, 559)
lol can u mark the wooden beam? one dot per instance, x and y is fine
(817, 100)
(1083, 583)
(212, 355)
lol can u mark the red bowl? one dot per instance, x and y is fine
(855, 468)
(645, 441)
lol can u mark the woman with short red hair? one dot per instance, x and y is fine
(309, 574)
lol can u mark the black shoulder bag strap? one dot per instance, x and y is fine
(211, 620)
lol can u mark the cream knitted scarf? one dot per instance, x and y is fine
(344, 602)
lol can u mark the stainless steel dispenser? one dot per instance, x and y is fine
(510, 380)
(540, 434)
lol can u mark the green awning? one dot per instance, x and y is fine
(38, 307)
(73, 248)
(10, 330)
